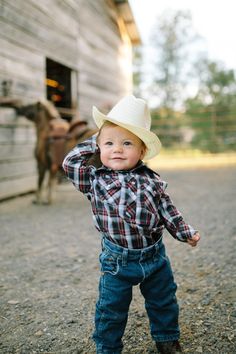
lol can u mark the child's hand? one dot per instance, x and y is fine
(194, 240)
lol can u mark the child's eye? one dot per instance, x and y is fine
(109, 143)
(127, 143)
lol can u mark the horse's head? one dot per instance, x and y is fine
(36, 111)
(30, 111)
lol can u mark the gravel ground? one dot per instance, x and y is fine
(49, 271)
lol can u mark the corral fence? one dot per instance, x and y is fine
(204, 129)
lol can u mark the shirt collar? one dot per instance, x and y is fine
(139, 165)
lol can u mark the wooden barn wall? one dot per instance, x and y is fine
(30, 32)
(17, 164)
(82, 35)
(104, 58)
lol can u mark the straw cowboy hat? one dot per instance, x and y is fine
(132, 114)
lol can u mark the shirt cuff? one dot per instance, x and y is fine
(186, 233)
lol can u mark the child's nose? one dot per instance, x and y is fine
(118, 148)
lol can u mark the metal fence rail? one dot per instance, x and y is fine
(202, 129)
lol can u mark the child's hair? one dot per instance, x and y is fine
(105, 124)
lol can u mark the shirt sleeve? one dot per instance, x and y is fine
(173, 220)
(76, 166)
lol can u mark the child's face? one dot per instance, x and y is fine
(119, 148)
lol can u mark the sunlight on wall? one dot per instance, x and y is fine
(125, 57)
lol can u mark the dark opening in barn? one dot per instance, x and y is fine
(59, 86)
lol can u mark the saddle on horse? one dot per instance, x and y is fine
(60, 133)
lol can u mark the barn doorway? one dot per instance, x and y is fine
(61, 83)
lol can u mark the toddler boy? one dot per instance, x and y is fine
(130, 210)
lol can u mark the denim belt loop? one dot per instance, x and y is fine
(157, 247)
(125, 257)
(103, 243)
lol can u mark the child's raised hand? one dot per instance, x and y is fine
(194, 240)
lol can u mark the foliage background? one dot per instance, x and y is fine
(193, 98)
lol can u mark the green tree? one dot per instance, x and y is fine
(172, 38)
(217, 86)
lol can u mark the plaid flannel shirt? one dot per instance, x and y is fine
(130, 208)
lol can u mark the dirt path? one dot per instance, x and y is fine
(49, 271)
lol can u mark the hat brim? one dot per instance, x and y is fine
(150, 139)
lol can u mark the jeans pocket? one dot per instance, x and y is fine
(161, 253)
(109, 263)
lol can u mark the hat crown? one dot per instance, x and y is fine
(133, 111)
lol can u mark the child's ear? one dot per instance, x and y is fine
(143, 151)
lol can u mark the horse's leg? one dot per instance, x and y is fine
(51, 184)
(41, 175)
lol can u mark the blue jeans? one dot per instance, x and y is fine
(123, 268)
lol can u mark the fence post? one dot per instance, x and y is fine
(213, 126)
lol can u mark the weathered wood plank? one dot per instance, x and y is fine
(13, 50)
(105, 62)
(35, 26)
(17, 168)
(59, 48)
(16, 134)
(8, 117)
(40, 13)
(11, 188)
(20, 69)
(103, 28)
(103, 100)
(106, 54)
(95, 37)
(13, 151)
(22, 88)
(17, 163)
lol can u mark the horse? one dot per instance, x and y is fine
(55, 138)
